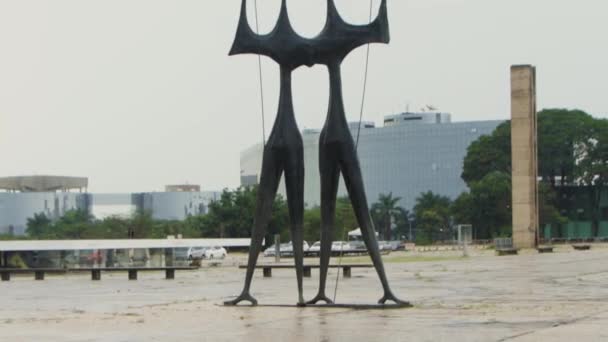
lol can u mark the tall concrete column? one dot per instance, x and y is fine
(524, 156)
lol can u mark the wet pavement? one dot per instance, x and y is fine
(530, 297)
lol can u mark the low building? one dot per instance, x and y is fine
(17, 207)
(43, 184)
(25, 196)
(183, 188)
(53, 196)
(175, 205)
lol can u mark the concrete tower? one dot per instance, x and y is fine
(524, 156)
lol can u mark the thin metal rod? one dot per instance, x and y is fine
(257, 30)
(339, 263)
(371, 6)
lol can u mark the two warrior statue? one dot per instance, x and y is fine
(283, 152)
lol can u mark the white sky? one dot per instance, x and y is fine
(136, 94)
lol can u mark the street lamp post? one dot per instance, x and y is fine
(410, 224)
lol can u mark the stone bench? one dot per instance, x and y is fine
(506, 251)
(346, 268)
(39, 273)
(581, 247)
(504, 246)
(544, 249)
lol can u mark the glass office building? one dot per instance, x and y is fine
(412, 153)
(17, 207)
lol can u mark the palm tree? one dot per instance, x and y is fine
(384, 211)
(432, 213)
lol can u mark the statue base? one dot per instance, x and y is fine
(333, 306)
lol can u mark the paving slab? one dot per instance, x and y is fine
(530, 297)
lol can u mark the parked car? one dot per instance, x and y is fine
(270, 251)
(215, 252)
(357, 246)
(195, 253)
(385, 246)
(286, 249)
(315, 248)
(289, 248)
(340, 246)
(395, 245)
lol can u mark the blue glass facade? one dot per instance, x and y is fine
(405, 159)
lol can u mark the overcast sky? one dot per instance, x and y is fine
(136, 94)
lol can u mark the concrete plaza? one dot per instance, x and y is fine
(530, 297)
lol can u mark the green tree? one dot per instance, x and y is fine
(493, 196)
(487, 154)
(591, 154)
(73, 225)
(548, 212)
(203, 226)
(464, 211)
(312, 224)
(402, 223)
(233, 214)
(432, 214)
(345, 218)
(567, 151)
(385, 213)
(345, 221)
(113, 227)
(38, 226)
(559, 132)
(140, 225)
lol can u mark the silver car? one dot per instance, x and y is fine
(286, 249)
(340, 246)
(196, 253)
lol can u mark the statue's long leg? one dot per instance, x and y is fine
(354, 184)
(294, 183)
(330, 177)
(269, 181)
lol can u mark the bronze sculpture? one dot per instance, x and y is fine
(337, 151)
(284, 151)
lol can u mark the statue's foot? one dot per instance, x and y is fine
(243, 297)
(301, 302)
(388, 296)
(320, 297)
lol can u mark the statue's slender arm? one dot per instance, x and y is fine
(246, 41)
(355, 36)
(282, 44)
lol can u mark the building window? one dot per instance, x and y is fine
(604, 214)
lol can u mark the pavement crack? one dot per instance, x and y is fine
(555, 325)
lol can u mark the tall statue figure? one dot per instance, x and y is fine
(284, 152)
(337, 151)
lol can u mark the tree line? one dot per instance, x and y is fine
(572, 158)
(572, 152)
(231, 216)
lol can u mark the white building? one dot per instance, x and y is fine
(25, 197)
